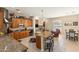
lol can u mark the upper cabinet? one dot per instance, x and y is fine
(28, 23)
(1, 24)
(1, 13)
(17, 21)
(1, 18)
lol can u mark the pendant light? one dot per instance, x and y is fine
(43, 18)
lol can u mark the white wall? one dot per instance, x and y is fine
(48, 11)
(49, 24)
(64, 19)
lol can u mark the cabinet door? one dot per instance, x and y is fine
(28, 23)
(24, 34)
(38, 42)
(25, 23)
(15, 23)
(1, 13)
(1, 24)
(1, 18)
(27, 33)
(16, 35)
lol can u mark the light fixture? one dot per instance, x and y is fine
(36, 17)
(42, 12)
(18, 11)
(43, 18)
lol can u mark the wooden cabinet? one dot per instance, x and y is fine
(20, 35)
(1, 18)
(38, 42)
(1, 24)
(16, 35)
(28, 23)
(24, 34)
(15, 23)
(1, 13)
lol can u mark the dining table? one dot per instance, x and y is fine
(72, 35)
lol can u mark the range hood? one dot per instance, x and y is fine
(5, 16)
(6, 21)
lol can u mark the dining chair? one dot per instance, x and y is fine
(67, 35)
(49, 44)
(76, 36)
(71, 35)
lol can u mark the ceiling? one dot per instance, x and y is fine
(48, 12)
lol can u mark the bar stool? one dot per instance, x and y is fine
(49, 44)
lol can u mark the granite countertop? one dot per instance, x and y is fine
(43, 34)
(8, 44)
(17, 29)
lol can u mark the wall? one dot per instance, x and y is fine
(49, 24)
(67, 19)
(1, 19)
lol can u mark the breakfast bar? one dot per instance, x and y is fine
(40, 38)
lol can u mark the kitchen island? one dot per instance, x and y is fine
(40, 38)
(19, 33)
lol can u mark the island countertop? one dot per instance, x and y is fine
(44, 34)
(17, 29)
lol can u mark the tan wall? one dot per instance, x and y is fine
(67, 19)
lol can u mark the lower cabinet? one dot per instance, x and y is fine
(16, 35)
(38, 42)
(24, 34)
(1, 24)
(20, 35)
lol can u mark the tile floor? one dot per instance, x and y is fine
(31, 46)
(60, 45)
